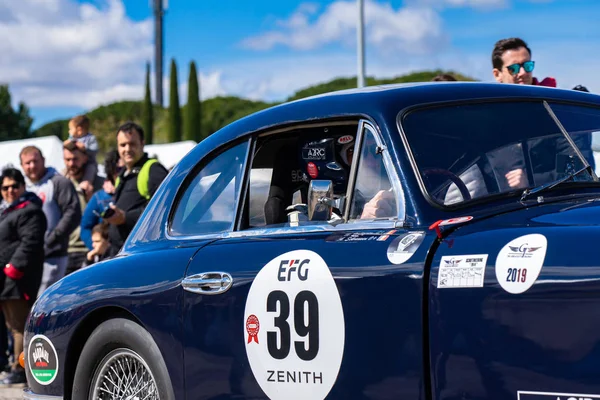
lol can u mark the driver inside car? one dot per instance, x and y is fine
(331, 159)
(371, 178)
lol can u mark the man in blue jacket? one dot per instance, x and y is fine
(99, 203)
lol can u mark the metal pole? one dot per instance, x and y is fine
(158, 49)
(360, 80)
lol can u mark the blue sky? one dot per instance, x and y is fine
(63, 57)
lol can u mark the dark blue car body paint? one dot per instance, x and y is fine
(404, 337)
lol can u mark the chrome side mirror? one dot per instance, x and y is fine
(320, 203)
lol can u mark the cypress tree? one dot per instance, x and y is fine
(192, 117)
(174, 132)
(147, 112)
(13, 124)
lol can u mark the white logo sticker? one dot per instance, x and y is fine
(403, 247)
(519, 263)
(524, 395)
(294, 327)
(462, 271)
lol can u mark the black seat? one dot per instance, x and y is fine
(285, 181)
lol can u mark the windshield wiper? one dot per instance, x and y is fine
(547, 186)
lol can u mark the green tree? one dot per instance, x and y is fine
(192, 114)
(13, 124)
(147, 115)
(174, 131)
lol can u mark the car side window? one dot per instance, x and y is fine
(209, 202)
(373, 196)
(284, 164)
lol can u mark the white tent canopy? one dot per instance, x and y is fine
(169, 154)
(51, 147)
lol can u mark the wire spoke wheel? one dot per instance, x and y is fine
(123, 375)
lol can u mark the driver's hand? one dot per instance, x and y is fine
(382, 205)
(516, 178)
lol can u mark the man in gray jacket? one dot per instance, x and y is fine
(61, 207)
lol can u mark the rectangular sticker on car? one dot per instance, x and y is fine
(466, 271)
(522, 395)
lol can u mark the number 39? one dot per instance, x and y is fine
(310, 329)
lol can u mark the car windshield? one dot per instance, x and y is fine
(472, 151)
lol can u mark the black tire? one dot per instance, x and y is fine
(119, 335)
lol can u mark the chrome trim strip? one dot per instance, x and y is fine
(286, 230)
(243, 193)
(29, 395)
(351, 226)
(568, 137)
(354, 167)
(391, 172)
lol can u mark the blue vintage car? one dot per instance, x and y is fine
(426, 241)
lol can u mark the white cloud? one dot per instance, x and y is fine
(211, 85)
(409, 29)
(61, 53)
(269, 78)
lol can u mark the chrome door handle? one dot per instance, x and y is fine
(208, 283)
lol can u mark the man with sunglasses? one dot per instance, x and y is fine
(511, 61)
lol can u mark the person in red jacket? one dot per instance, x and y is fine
(512, 63)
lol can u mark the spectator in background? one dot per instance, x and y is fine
(79, 135)
(135, 185)
(443, 78)
(98, 204)
(22, 227)
(61, 207)
(75, 159)
(100, 245)
(511, 62)
(581, 88)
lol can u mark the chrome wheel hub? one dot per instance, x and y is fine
(123, 375)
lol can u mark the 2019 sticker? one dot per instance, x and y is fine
(520, 262)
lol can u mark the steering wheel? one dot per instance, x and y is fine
(462, 188)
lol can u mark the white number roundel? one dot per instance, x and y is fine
(294, 327)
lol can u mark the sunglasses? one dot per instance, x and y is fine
(515, 68)
(15, 186)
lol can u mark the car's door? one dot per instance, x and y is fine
(312, 311)
(514, 300)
